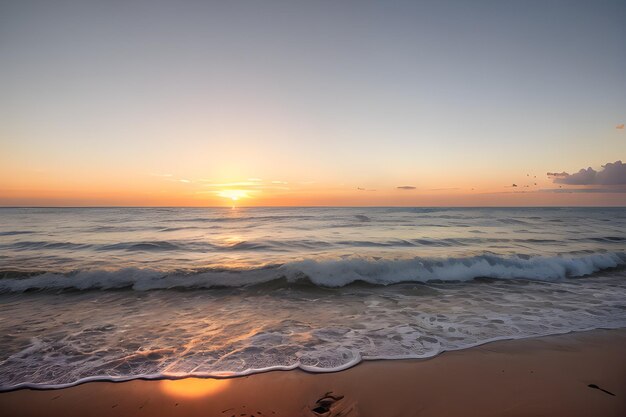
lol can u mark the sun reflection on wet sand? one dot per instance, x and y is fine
(193, 387)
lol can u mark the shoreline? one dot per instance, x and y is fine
(300, 368)
(546, 375)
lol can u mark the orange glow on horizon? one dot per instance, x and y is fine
(197, 191)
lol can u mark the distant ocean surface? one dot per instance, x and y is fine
(121, 293)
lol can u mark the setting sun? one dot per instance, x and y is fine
(233, 194)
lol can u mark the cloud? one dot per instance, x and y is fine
(620, 126)
(229, 184)
(613, 173)
(406, 187)
(555, 175)
(618, 189)
(250, 185)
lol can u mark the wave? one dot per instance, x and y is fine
(16, 232)
(327, 273)
(26, 245)
(616, 239)
(143, 246)
(257, 218)
(290, 244)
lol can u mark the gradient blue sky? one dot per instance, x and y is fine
(117, 102)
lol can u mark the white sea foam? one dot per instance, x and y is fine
(111, 335)
(332, 273)
(343, 272)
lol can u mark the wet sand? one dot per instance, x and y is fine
(578, 374)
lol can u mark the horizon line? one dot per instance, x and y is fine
(320, 206)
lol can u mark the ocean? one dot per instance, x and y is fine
(123, 293)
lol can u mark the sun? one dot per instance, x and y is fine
(233, 194)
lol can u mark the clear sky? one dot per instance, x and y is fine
(312, 102)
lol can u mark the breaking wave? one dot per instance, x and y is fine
(325, 273)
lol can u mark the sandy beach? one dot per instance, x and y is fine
(577, 374)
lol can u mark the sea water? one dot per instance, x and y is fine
(122, 293)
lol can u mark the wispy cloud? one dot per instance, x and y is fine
(208, 183)
(620, 126)
(555, 175)
(406, 187)
(251, 185)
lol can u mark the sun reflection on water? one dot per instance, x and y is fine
(193, 387)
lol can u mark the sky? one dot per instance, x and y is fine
(349, 103)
